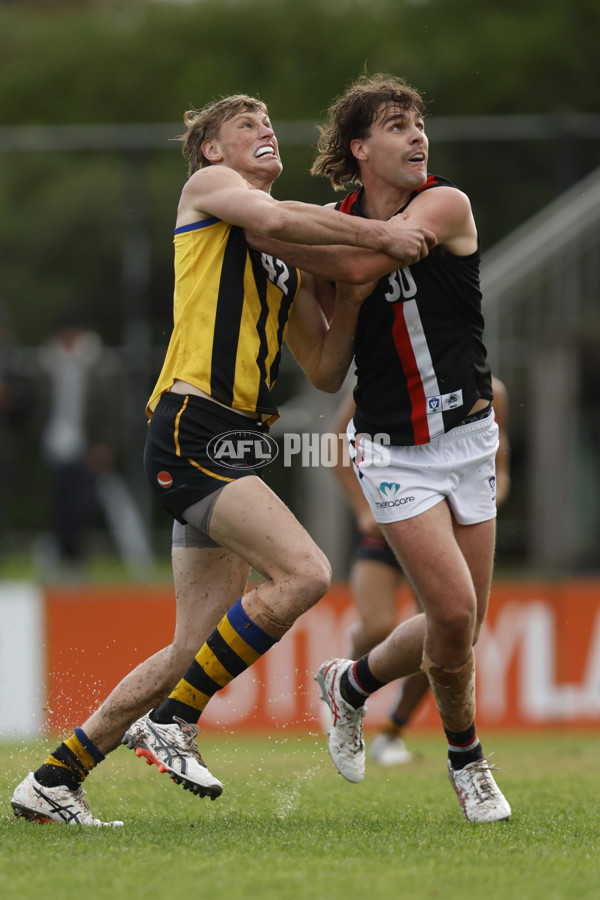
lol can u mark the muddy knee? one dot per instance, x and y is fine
(277, 614)
(308, 582)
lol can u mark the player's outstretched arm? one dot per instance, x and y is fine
(221, 192)
(350, 265)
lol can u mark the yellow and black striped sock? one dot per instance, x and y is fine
(235, 644)
(71, 762)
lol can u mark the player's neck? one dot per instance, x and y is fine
(382, 201)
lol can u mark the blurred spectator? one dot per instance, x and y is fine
(15, 407)
(82, 388)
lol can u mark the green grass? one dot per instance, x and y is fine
(287, 827)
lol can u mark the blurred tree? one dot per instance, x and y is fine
(149, 60)
(136, 60)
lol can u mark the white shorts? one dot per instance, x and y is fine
(403, 482)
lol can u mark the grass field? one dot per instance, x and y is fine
(287, 827)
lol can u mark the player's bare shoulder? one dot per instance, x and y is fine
(443, 200)
(211, 180)
(446, 210)
(202, 191)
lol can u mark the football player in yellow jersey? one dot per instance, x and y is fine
(212, 386)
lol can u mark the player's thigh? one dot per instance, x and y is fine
(477, 544)
(434, 563)
(250, 520)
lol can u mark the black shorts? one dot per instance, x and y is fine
(378, 549)
(179, 456)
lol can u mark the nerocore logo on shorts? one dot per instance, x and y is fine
(242, 449)
(390, 489)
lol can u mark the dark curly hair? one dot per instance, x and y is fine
(351, 116)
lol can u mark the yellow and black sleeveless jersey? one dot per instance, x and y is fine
(231, 309)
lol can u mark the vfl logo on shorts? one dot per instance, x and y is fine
(492, 484)
(164, 479)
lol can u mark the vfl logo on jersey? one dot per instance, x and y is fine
(164, 479)
(444, 402)
(389, 488)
